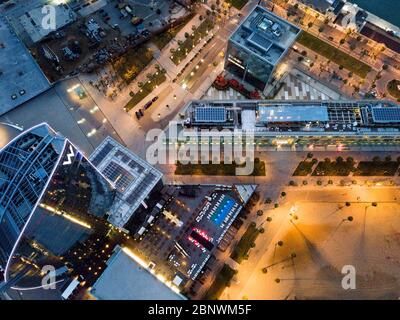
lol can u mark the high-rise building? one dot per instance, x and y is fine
(258, 46)
(54, 206)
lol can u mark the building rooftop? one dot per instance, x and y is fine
(210, 224)
(20, 77)
(287, 113)
(265, 34)
(319, 5)
(32, 21)
(133, 178)
(7, 133)
(348, 117)
(128, 278)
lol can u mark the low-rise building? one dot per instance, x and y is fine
(21, 78)
(295, 124)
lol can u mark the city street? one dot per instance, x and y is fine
(174, 95)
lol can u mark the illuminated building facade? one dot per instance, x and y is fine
(53, 202)
(258, 46)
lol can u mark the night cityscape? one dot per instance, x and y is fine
(199, 150)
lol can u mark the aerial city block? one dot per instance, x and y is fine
(199, 150)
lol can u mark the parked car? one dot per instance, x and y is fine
(155, 99)
(137, 115)
(147, 105)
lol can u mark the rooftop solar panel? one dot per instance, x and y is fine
(386, 115)
(210, 114)
(260, 41)
(102, 154)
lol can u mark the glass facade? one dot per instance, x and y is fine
(53, 203)
(247, 66)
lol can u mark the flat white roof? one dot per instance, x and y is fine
(126, 279)
(289, 113)
(32, 21)
(21, 78)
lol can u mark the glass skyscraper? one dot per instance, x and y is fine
(53, 203)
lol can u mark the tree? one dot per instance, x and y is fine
(310, 24)
(283, 194)
(350, 160)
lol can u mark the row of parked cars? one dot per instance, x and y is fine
(140, 112)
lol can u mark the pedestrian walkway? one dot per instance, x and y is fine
(299, 86)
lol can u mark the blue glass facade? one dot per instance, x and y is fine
(248, 67)
(52, 201)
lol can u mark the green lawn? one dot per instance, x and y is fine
(393, 89)
(238, 4)
(129, 65)
(146, 89)
(221, 281)
(164, 38)
(304, 168)
(339, 168)
(217, 169)
(189, 43)
(334, 54)
(377, 168)
(244, 245)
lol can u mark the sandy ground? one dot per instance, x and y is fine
(324, 241)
